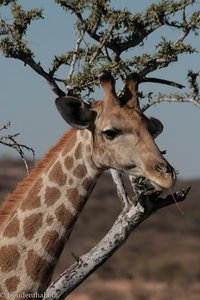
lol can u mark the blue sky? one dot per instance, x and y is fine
(27, 101)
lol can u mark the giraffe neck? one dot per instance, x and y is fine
(35, 234)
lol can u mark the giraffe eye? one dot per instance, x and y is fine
(111, 133)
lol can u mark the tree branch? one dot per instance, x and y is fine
(158, 62)
(162, 81)
(16, 47)
(38, 69)
(121, 190)
(4, 29)
(74, 58)
(10, 141)
(169, 99)
(137, 38)
(128, 220)
(103, 43)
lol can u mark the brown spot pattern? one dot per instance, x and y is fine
(69, 162)
(71, 181)
(12, 283)
(90, 161)
(64, 216)
(70, 144)
(49, 220)
(32, 200)
(78, 151)
(12, 229)
(49, 166)
(86, 182)
(51, 243)
(31, 225)
(52, 194)
(37, 267)
(76, 200)
(56, 174)
(80, 171)
(9, 257)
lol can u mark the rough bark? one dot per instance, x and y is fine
(128, 220)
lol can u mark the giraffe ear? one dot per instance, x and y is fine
(155, 127)
(75, 112)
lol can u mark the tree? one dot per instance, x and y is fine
(106, 38)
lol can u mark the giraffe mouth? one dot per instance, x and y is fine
(145, 186)
(132, 170)
(156, 184)
(163, 183)
(132, 166)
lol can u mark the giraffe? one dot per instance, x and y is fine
(38, 217)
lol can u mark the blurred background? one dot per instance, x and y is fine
(161, 259)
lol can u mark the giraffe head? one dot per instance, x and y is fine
(122, 137)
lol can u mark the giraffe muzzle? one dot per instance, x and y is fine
(164, 175)
(164, 168)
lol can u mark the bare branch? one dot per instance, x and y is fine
(162, 81)
(75, 57)
(38, 69)
(10, 141)
(128, 220)
(169, 99)
(121, 191)
(179, 196)
(5, 126)
(181, 37)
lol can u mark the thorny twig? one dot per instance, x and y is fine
(159, 61)
(5, 126)
(75, 57)
(4, 28)
(185, 32)
(102, 44)
(10, 141)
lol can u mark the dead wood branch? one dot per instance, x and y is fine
(169, 99)
(128, 220)
(11, 142)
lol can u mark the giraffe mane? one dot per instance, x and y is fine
(13, 199)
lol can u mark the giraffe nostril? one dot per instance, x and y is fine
(160, 168)
(163, 168)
